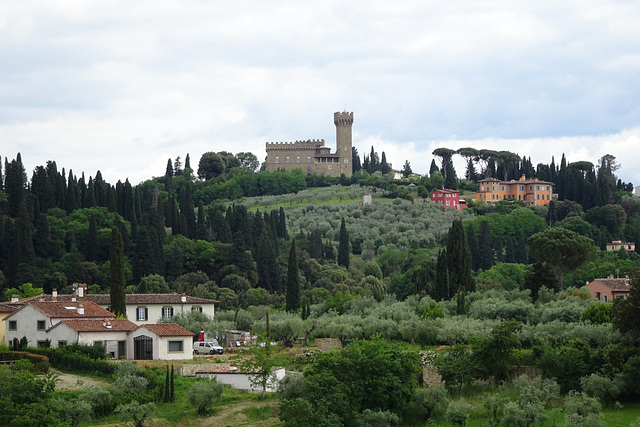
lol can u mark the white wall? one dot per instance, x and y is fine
(242, 381)
(161, 346)
(27, 325)
(155, 311)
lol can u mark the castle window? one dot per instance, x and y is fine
(346, 161)
(308, 159)
(288, 160)
(308, 172)
(329, 166)
(277, 159)
(298, 159)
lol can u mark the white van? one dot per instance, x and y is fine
(207, 347)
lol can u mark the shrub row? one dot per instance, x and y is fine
(40, 362)
(75, 361)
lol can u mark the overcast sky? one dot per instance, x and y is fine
(122, 86)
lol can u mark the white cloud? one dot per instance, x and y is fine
(122, 86)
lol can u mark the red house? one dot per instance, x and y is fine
(450, 199)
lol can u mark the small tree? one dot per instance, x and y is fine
(260, 364)
(138, 411)
(204, 395)
(458, 412)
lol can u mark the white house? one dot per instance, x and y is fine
(111, 333)
(164, 341)
(34, 318)
(144, 309)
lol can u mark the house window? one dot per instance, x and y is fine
(142, 313)
(297, 159)
(287, 159)
(277, 159)
(175, 345)
(41, 325)
(167, 312)
(196, 308)
(598, 296)
(62, 343)
(41, 344)
(606, 298)
(13, 325)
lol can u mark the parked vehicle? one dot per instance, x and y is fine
(207, 347)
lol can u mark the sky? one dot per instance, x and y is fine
(122, 86)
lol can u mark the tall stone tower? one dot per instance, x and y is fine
(343, 121)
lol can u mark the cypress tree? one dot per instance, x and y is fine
(442, 282)
(473, 247)
(167, 387)
(485, 247)
(315, 245)
(458, 260)
(91, 247)
(118, 305)
(201, 233)
(293, 280)
(172, 395)
(343, 246)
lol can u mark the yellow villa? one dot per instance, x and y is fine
(531, 191)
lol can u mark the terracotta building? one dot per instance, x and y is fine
(531, 191)
(312, 156)
(607, 289)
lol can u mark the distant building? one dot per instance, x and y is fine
(636, 191)
(607, 289)
(311, 156)
(450, 199)
(616, 245)
(531, 191)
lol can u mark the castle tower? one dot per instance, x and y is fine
(343, 121)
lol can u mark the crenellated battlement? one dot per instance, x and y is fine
(343, 118)
(306, 144)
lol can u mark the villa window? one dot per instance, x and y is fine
(13, 325)
(175, 345)
(41, 325)
(142, 313)
(167, 312)
(196, 308)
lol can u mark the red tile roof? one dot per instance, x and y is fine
(616, 285)
(10, 307)
(99, 325)
(105, 299)
(70, 309)
(167, 330)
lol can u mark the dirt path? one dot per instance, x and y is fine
(67, 382)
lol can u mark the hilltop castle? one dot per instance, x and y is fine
(312, 155)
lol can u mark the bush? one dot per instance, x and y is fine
(40, 362)
(204, 395)
(68, 359)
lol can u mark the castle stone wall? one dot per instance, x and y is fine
(311, 155)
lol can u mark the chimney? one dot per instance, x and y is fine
(81, 310)
(15, 298)
(80, 290)
(184, 297)
(54, 293)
